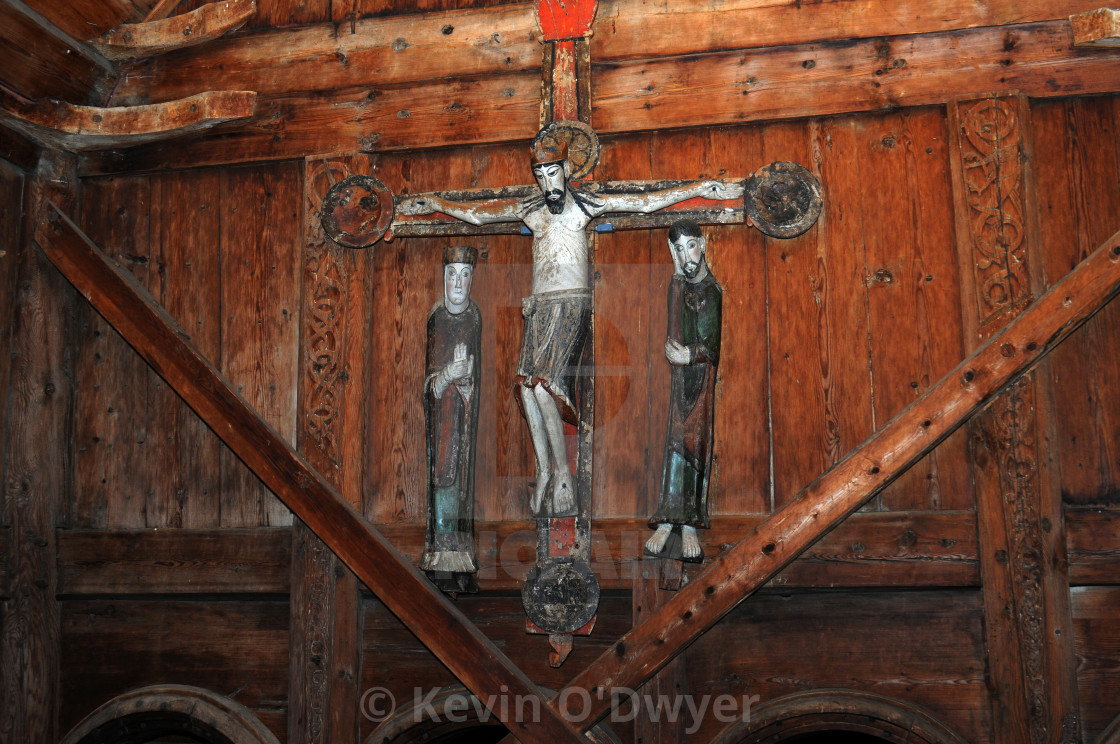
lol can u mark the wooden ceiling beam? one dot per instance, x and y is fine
(408, 49)
(81, 19)
(864, 472)
(431, 616)
(63, 126)
(40, 61)
(725, 88)
(1096, 28)
(150, 38)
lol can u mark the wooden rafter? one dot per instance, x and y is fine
(864, 472)
(65, 126)
(463, 649)
(151, 37)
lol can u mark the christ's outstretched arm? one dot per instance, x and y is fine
(655, 200)
(479, 213)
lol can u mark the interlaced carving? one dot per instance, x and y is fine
(1013, 415)
(325, 329)
(992, 167)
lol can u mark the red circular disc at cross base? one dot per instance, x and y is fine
(357, 211)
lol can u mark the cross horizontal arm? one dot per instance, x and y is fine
(132, 312)
(703, 211)
(865, 471)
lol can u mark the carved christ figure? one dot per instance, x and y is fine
(558, 311)
(451, 417)
(692, 348)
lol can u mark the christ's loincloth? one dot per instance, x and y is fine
(556, 325)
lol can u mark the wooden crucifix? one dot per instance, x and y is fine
(554, 379)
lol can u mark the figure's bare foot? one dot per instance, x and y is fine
(536, 502)
(563, 495)
(656, 543)
(690, 542)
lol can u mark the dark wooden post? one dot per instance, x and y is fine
(648, 593)
(36, 469)
(1027, 620)
(325, 635)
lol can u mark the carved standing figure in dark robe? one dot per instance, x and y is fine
(692, 348)
(451, 390)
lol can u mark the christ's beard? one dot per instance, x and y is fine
(555, 201)
(691, 270)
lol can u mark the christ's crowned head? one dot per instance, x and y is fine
(551, 169)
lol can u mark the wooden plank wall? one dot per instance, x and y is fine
(221, 251)
(813, 358)
(826, 337)
(1077, 170)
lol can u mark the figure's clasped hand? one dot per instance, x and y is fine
(460, 368)
(677, 353)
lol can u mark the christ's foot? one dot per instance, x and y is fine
(536, 502)
(690, 542)
(563, 496)
(656, 543)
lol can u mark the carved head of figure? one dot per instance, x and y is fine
(458, 270)
(551, 169)
(689, 248)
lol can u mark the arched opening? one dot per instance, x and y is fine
(166, 714)
(838, 717)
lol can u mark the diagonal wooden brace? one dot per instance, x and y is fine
(155, 335)
(865, 471)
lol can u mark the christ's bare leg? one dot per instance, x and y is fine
(656, 542)
(563, 493)
(540, 448)
(690, 542)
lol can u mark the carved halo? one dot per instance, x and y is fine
(583, 144)
(357, 211)
(783, 199)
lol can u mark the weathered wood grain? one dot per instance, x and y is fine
(261, 228)
(645, 28)
(62, 126)
(819, 354)
(153, 37)
(671, 683)
(41, 62)
(626, 455)
(837, 493)
(925, 549)
(374, 51)
(395, 661)
(237, 648)
(39, 397)
(472, 657)
(123, 563)
(1094, 547)
(1097, 640)
(186, 252)
(18, 150)
(833, 77)
(772, 646)
(83, 19)
(782, 82)
(11, 227)
(910, 276)
(1077, 165)
(112, 430)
